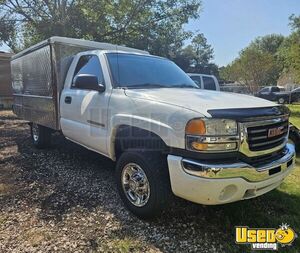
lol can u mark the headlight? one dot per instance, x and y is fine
(215, 127)
(212, 135)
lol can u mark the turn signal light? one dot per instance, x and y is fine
(195, 127)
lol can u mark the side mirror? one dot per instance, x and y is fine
(88, 82)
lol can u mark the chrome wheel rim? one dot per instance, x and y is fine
(35, 132)
(135, 184)
(281, 100)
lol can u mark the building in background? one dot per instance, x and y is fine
(5, 81)
(288, 81)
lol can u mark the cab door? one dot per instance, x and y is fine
(83, 110)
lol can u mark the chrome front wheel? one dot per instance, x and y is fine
(135, 184)
(143, 182)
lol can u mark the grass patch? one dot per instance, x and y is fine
(295, 115)
(125, 245)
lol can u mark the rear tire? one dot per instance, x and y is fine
(40, 135)
(143, 173)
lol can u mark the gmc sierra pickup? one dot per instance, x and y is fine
(165, 133)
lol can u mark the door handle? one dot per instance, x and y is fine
(68, 100)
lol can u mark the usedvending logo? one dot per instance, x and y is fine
(265, 238)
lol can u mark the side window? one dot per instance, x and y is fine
(275, 89)
(264, 90)
(209, 83)
(89, 64)
(196, 80)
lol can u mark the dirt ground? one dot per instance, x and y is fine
(64, 199)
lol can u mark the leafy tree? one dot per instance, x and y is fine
(154, 25)
(295, 23)
(267, 59)
(8, 34)
(196, 57)
(289, 52)
(253, 68)
(269, 43)
(258, 64)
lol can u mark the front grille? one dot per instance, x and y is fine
(259, 139)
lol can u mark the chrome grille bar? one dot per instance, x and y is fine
(268, 142)
(258, 137)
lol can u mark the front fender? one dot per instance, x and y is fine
(164, 131)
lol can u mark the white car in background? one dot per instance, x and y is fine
(206, 82)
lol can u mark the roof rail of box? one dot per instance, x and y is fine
(78, 42)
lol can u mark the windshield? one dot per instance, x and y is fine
(140, 71)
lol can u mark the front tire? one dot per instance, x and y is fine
(143, 182)
(40, 135)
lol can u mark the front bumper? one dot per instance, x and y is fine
(213, 184)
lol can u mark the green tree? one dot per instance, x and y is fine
(269, 43)
(295, 23)
(289, 51)
(253, 68)
(197, 57)
(154, 25)
(258, 64)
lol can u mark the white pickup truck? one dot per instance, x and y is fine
(142, 111)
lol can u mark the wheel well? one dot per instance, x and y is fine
(128, 137)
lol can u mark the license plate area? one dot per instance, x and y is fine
(274, 170)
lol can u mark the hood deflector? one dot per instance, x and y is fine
(245, 114)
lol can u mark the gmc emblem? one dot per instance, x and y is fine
(275, 131)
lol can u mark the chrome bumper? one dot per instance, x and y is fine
(241, 170)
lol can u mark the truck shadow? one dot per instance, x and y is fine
(68, 177)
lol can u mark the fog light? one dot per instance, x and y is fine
(228, 192)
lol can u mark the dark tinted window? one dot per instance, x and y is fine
(265, 89)
(197, 80)
(208, 83)
(275, 89)
(139, 71)
(89, 64)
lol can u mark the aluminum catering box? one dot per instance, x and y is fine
(38, 75)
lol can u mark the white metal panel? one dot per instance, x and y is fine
(79, 42)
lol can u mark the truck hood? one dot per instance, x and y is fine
(199, 100)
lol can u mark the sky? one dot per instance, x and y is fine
(230, 25)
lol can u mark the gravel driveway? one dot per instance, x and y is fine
(64, 199)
